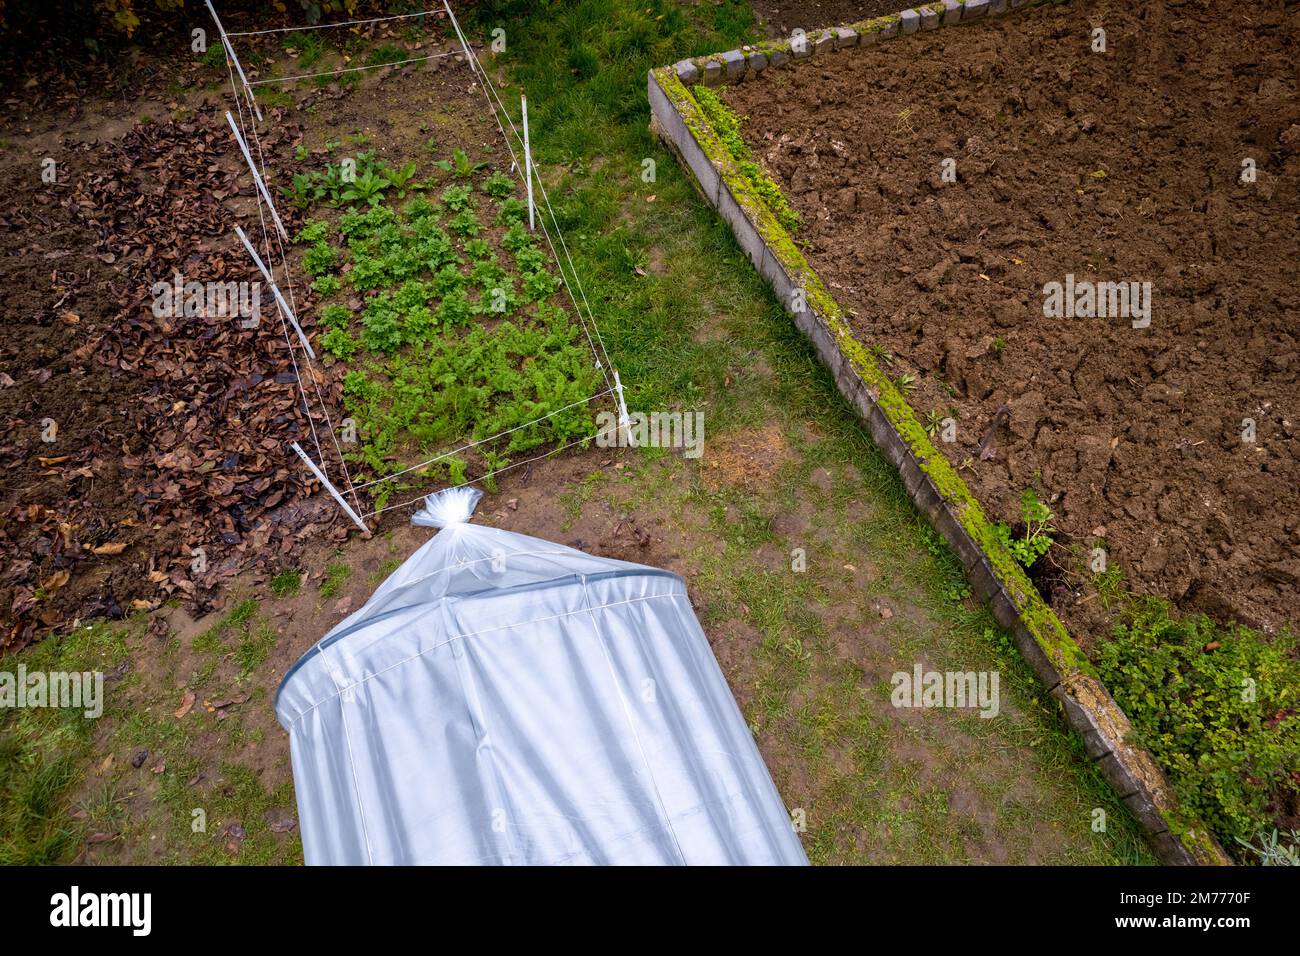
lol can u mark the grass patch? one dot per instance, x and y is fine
(68, 782)
(336, 575)
(385, 54)
(699, 329)
(286, 583)
(308, 44)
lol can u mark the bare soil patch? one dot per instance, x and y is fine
(1122, 166)
(780, 17)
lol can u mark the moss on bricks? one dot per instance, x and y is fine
(726, 126)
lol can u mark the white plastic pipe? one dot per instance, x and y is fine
(261, 186)
(528, 162)
(230, 52)
(329, 486)
(275, 291)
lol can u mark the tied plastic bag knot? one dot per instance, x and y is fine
(451, 506)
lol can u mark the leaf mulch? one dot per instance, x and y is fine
(171, 432)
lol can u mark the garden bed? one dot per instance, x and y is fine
(1228, 769)
(442, 316)
(169, 469)
(1121, 166)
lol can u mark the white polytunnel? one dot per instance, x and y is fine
(501, 699)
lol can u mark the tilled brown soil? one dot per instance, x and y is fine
(781, 17)
(1115, 166)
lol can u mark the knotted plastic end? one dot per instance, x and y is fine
(448, 507)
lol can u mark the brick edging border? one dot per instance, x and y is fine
(734, 65)
(931, 482)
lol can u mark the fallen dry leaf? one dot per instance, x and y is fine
(187, 702)
(56, 580)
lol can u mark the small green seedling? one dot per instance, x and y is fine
(1037, 538)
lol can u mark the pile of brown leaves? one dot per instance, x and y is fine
(170, 470)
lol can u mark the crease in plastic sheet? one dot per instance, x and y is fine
(501, 699)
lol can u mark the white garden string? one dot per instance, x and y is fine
(480, 441)
(351, 69)
(498, 471)
(327, 26)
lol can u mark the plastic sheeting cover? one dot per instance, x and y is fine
(503, 699)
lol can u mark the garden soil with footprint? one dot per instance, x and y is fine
(1121, 166)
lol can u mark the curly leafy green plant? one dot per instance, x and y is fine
(313, 231)
(530, 259)
(499, 186)
(446, 280)
(1037, 538)
(340, 343)
(457, 198)
(454, 310)
(420, 208)
(465, 223)
(539, 285)
(335, 316)
(381, 329)
(320, 259)
(511, 211)
(364, 223)
(1219, 708)
(479, 250)
(327, 285)
(517, 238)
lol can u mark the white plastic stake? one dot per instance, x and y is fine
(261, 186)
(329, 486)
(275, 290)
(624, 418)
(528, 162)
(230, 52)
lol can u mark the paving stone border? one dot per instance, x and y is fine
(734, 66)
(931, 481)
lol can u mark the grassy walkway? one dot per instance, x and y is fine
(692, 326)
